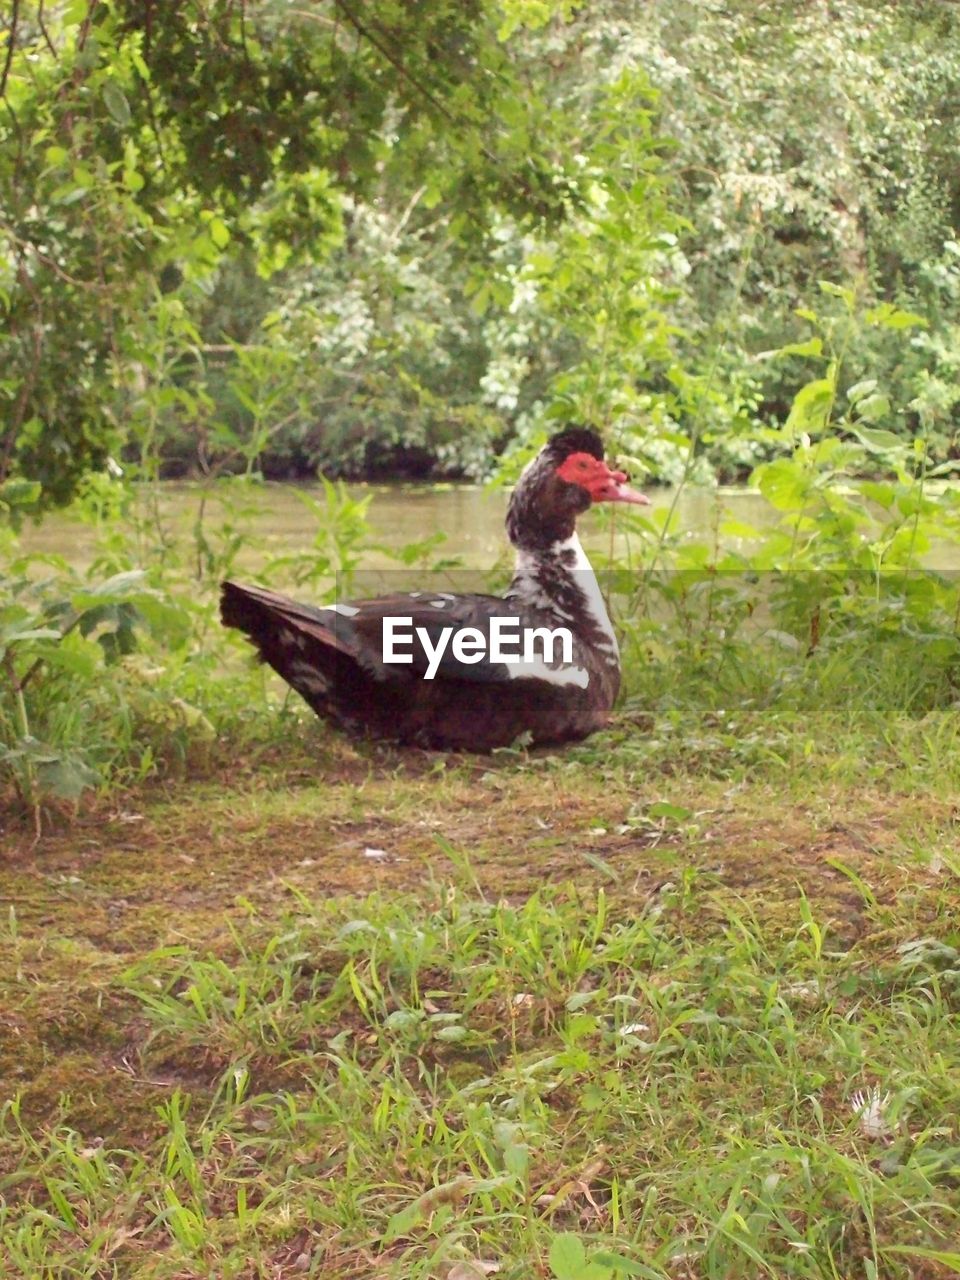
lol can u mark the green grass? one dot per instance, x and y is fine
(401, 1082)
(592, 1014)
(679, 1001)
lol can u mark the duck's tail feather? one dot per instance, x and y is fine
(296, 640)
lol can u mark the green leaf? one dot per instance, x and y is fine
(75, 655)
(946, 1259)
(452, 1034)
(67, 778)
(115, 100)
(877, 440)
(739, 529)
(579, 1000)
(881, 493)
(784, 483)
(812, 347)
(219, 233)
(811, 405)
(9, 637)
(836, 291)
(675, 812)
(121, 584)
(861, 389)
(18, 492)
(873, 407)
(887, 316)
(516, 1159)
(403, 1019)
(567, 1257)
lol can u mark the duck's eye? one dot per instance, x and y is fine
(583, 465)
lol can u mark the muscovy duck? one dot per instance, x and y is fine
(381, 667)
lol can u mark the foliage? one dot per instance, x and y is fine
(568, 1080)
(371, 275)
(115, 193)
(373, 242)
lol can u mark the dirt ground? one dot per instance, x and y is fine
(183, 863)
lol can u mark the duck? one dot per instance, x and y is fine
(538, 665)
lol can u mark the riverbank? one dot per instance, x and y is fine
(347, 1011)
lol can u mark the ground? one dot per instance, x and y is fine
(350, 1011)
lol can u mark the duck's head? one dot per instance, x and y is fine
(566, 477)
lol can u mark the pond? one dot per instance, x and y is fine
(470, 516)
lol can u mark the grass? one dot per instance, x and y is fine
(678, 1002)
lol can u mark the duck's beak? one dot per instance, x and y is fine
(614, 488)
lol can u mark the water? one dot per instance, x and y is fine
(470, 516)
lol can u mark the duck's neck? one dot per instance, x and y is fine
(560, 579)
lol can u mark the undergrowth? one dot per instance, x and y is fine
(558, 1085)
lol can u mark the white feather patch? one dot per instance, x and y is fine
(581, 572)
(539, 670)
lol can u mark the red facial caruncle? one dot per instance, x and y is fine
(602, 483)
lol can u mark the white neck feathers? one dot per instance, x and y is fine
(535, 582)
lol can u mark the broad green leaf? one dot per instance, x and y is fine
(784, 483)
(452, 1034)
(13, 636)
(881, 493)
(119, 585)
(74, 13)
(873, 407)
(812, 347)
(67, 777)
(403, 1019)
(948, 468)
(18, 492)
(516, 1159)
(76, 655)
(675, 812)
(219, 233)
(811, 405)
(861, 389)
(568, 1258)
(579, 1000)
(115, 100)
(887, 316)
(877, 440)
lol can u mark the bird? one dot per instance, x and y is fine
(386, 667)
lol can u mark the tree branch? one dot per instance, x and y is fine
(11, 45)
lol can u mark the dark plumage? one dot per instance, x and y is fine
(334, 656)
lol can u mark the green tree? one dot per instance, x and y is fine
(141, 143)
